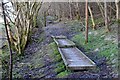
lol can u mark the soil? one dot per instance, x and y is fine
(103, 70)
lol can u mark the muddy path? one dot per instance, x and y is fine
(37, 52)
(27, 66)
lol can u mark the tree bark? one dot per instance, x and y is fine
(117, 9)
(101, 9)
(9, 43)
(25, 21)
(106, 17)
(70, 9)
(45, 19)
(92, 19)
(86, 22)
(77, 11)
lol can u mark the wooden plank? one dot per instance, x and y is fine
(59, 37)
(74, 59)
(64, 43)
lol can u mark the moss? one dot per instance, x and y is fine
(58, 58)
(53, 49)
(55, 53)
(4, 60)
(60, 63)
(106, 48)
(63, 74)
(17, 75)
(60, 67)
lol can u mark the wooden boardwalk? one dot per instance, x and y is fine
(73, 58)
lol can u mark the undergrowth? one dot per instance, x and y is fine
(60, 66)
(4, 62)
(105, 44)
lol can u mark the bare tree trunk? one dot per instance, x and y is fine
(86, 22)
(77, 11)
(101, 9)
(106, 17)
(63, 12)
(92, 19)
(70, 10)
(25, 17)
(9, 43)
(45, 19)
(117, 9)
(60, 14)
(110, 10)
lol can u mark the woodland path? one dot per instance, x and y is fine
(73, 58)
(46, 69)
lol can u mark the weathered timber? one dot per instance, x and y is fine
(73, 58)
(59, 37)
(64, 43)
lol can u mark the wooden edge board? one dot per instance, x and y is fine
(80, 68)
(63, 57)
(59, 37)
(65, 61)
(65, 46)
(56, 42)
(71, 67)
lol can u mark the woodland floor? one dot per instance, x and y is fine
(38, 62)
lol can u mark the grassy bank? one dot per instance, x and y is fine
(100, 42)
(60, 67)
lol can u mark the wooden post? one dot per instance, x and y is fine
(86, 22)
(9, 44)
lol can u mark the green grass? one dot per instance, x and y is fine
(63, 74)
(4, 61)
(106, 48)
(54, 51)
(60, 66)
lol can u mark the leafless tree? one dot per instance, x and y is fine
(117, 9)
(86, 22)
(92, 19)
(106, 16)
(25, 19)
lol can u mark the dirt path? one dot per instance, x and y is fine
(36, 54)
(59, 29)
(38, 63)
